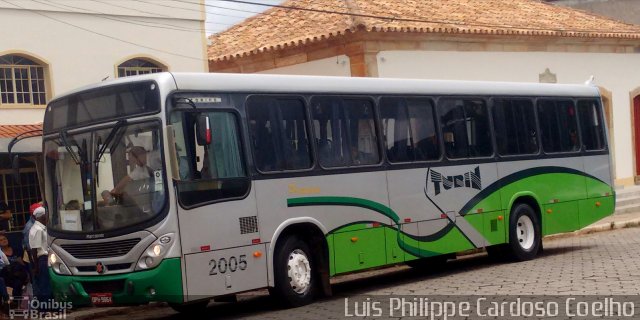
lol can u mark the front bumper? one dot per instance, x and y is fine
(126, 289)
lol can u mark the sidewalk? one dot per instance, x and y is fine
(616, 221)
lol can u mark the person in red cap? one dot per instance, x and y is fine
(28, 225)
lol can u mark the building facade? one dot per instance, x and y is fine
(519, 40)
(50, 47)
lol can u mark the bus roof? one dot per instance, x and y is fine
(265, 83)
(357, 85)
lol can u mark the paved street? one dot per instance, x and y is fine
(603, 263)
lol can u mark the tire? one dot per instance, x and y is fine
(294, 273)
(525, 239)
(195, 308)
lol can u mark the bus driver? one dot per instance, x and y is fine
(137, 159)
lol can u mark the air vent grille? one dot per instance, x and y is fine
(248, 225)
(100, 250)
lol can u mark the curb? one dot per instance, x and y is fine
(613, 225)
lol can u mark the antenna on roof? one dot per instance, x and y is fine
(105, 78)
(590, 81)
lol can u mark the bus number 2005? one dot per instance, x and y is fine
(223, 265)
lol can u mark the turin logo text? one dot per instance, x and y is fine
(469, 179)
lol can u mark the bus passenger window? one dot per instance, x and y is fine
(409, 129)
(558, 123)
(345, 132)
(279, 137)
(591, 125)
(515, 127)
(465, 128)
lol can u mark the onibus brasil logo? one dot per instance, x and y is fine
(25, 308)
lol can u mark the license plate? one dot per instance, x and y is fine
(101, 299)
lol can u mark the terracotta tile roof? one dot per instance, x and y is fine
(279, 27)
(11, 131)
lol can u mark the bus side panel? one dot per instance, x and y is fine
(227, 271)
(359, 249)
(352, 201)
(214, 227)
(557, 184)
(600, 200)
(446, 203)
(598, 168)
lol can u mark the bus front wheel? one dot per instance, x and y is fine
(524, 233)
(294, 273)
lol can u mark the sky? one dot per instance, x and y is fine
(219, 19)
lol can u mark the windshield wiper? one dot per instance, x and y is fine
(110, 138)
(115, 132)
(65, 141)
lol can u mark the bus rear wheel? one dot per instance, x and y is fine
(294, 273)
(525, 237)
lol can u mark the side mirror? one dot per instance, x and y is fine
(15, 166)
(203, 130)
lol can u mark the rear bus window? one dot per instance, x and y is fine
(591, 125)
(465, 128)
(559, 126)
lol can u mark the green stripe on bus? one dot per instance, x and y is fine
(412, 244)
(543, 173)
(344, 201)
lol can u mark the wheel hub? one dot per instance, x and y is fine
(299, 271)
(525, 232)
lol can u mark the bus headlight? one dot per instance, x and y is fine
(57, 265)
(157, 250)
(154, 254)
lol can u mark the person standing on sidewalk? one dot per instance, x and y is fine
(39, 253)
(25, 245)
(28, 225)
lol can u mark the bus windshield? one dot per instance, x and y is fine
(105, 179)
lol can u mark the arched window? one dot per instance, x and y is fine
(22, 81)
(138, 66)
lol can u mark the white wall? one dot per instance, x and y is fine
(111, 35)
(334, 66)
(615, 72)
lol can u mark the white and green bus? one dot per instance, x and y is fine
(190, 187)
